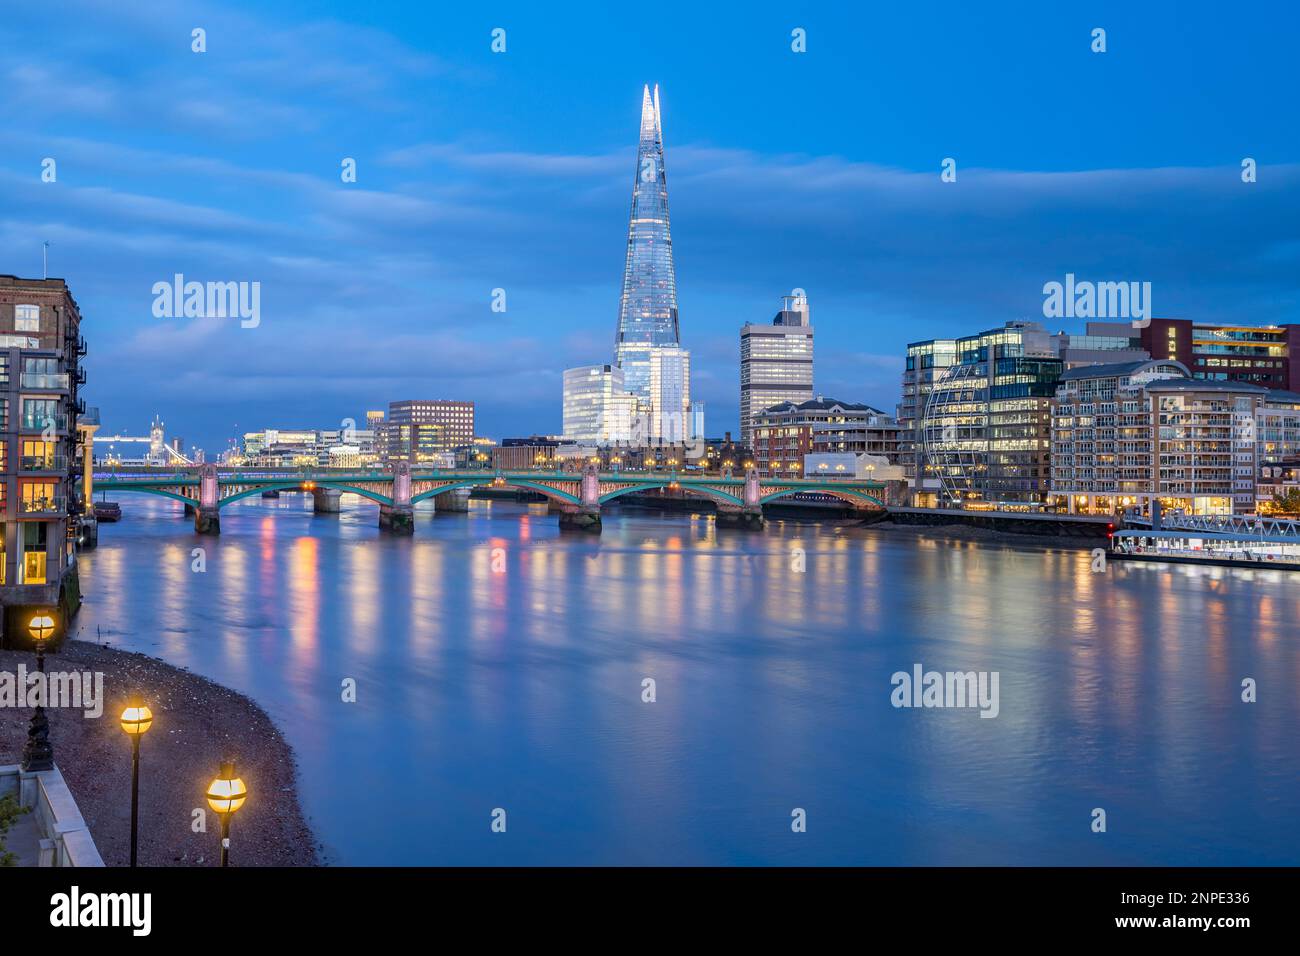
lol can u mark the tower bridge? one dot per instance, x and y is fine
(578, 496)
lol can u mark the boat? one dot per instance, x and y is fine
(108, 511)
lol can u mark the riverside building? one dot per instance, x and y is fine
(787, 432)
(1124, 435)
(40, 377)
(776, 363)
(1257, 354)
(976, 411)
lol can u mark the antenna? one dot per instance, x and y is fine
(45, 259)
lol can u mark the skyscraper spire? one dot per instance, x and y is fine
(647, 316)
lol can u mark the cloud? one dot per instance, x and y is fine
(225, 166)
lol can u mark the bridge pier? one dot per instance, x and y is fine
(734, 516)
(451, 501)
(584, 516)
(397, 519)
(325, 501)
(750, 514)
(578, 518)
(207, 521)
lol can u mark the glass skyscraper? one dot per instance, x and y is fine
(647, 315)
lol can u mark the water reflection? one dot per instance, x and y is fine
(499, 663)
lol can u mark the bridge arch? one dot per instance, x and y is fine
(553, 493)
(156, 492)
(709, 494)
(850, 495)
(298, 486)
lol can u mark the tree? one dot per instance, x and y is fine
(1287, 503)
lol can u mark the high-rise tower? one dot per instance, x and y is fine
(647, 315)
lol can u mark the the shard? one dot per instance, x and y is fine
(647, 315)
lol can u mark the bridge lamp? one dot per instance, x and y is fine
(226, 794)
(136, 720)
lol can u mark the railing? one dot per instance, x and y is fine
(40, 422)
(57, 380)
(56, 504)
(57, 463)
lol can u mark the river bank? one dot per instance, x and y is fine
(197, 724)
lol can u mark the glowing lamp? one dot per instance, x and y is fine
(41, 627)
(136, 718)
(227, 793)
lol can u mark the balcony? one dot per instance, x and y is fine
(54, 504)
(37, 380)
(55, 463)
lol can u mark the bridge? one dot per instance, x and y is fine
(578, 496)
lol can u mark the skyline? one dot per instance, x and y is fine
(473, 175)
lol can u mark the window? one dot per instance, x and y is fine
(39, 496)
(33, 564)
(27, 318)
(41, 412)
(38, 455)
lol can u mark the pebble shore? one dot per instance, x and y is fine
(196, 725)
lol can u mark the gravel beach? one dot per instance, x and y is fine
(196, 725)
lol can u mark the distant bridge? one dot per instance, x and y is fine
(577, 495)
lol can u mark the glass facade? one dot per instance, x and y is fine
(979, 408)
(597, 411)
(647, 316)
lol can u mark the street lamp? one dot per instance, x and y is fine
(225, 795)
(136, 719)
(38, 754)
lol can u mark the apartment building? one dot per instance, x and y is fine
(40, 377)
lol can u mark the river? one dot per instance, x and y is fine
(500, 664)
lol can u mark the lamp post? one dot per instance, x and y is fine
(38, 754)
(225, 795)
(136, 719)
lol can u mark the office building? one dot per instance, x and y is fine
(419, 431)
(776, 362)
(597, 408)
(647, 318)
(40, 377)
(976, 411)
(668, 419)
(536, 452)
(1258, 354)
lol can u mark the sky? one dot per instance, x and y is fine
(478, 170)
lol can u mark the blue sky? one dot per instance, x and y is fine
(479, 171)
